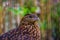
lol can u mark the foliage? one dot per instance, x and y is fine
(26, 9)
(43, 25)
(29, 4)
(58, 9)
(44, 1)
(22, 10)
(55, 11)
(55, 15)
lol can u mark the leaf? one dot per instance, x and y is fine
(33, 9)
(43, 25)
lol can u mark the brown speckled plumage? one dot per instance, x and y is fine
(27, 30)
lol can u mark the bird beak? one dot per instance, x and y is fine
(37, 19)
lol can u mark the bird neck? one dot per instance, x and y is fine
(24, 25)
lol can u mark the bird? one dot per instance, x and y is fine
(27, 30)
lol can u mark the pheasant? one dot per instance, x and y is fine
(27, 30)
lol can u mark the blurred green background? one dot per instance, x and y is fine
(12, 11)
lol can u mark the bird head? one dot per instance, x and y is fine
(30, 18)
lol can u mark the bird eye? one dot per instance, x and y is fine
(30, 16)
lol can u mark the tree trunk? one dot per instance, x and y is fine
(42, 15)
(42, 10)
(10, 15)
(4, 20)
(49, 27)
(1, 18)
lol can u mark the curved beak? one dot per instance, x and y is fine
(36, 19)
